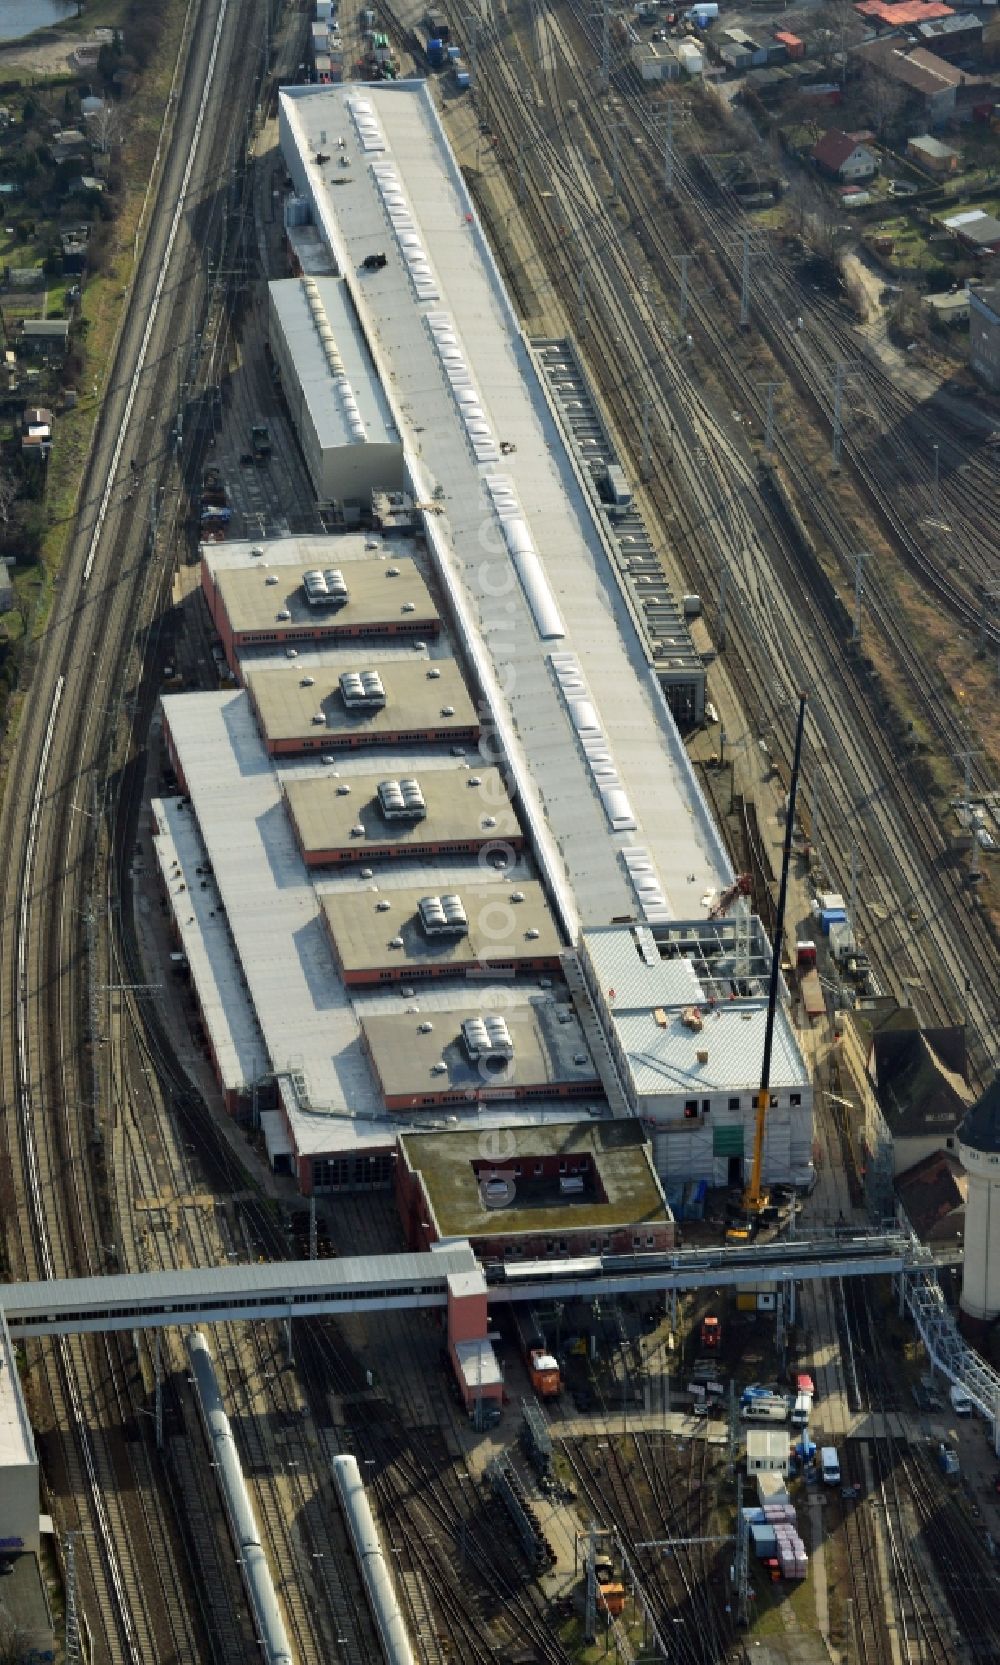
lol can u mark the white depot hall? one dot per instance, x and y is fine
(518, 550)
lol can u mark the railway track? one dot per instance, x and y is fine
(138, 1600)
(624, 1484)
(568, 219)
(939, 1593)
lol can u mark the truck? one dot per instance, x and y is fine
(711, 1333)
(802, 1410)
(544, 1372)
(959, 1400)
(260, 442)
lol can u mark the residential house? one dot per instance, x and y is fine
(911, 1088)
(843, 156)
(952, 37)
(45, 337)
(938, 90)
(950, 307)
(70, 144)
(933, 1194)
(978, 230)
(984, 336)
(36, 432)
(933, 154)
(904, 14)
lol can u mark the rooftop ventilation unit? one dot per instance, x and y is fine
(402, 800)
(362, 690)
(488, 1040)
(325, 589)
(443, 916)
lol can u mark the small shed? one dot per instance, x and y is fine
(933, 154)
(767, 1450)
(7, 597)
(771, 1488)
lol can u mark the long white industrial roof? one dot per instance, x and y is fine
(518, 547)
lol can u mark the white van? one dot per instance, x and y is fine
(802, 1410)
(961, 1404)
(829, 1464)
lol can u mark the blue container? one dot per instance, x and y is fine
(834, 916)
(435, 53)
(454, 53)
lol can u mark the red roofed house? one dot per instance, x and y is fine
(844, 157)
(904, 13)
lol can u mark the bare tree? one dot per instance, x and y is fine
(8, 497)
(106, 126)
(883, 99)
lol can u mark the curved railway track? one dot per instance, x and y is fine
(137, 1598)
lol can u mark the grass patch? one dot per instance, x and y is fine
(101, 311)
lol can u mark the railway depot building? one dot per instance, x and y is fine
(339, 412)
(277, 594)
(568, 1189)
(683, 1007)
(380, 927)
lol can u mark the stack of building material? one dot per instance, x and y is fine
(791, 1551)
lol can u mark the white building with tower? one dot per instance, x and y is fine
(979, 1151)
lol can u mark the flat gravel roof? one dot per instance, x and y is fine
(618, 1150)
(461, 805)
(389, 593)
(547, 1038)
(364, 923)
(420, 697)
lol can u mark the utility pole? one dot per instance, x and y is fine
(991, 596)
(745, 283)
(860, 558)
(937, 482)
(769, 389)
(617, 128)
(965, 758)
(472, 29)
(646, 467)
(853, 897)
(158, 1391)
(590, 1613)
(684, 261)
(669, 150)
(841, 371)
(605, 77)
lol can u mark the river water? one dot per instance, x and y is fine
(21, 17)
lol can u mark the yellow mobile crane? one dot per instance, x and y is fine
(755, 1201)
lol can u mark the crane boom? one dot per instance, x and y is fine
(753, 1201)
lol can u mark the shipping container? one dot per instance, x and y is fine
(435, 52)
